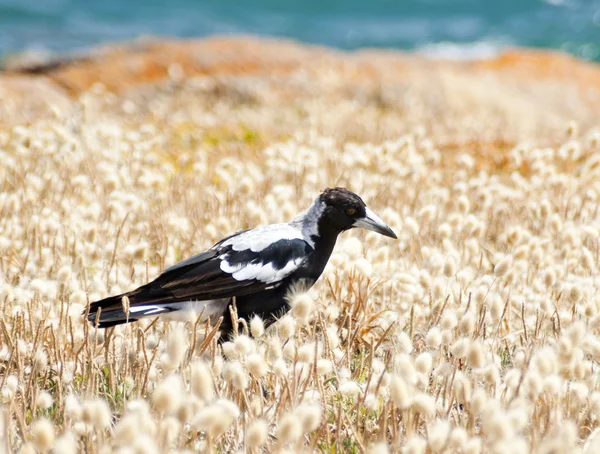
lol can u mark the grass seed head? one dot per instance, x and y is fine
(45, 400)
(434, 338)
(168, 394)
(28, 448)
(449, 267)
(66, 444)
(467, 324)
(350, 388)
(503, 266)
(63, 274)
(473, 446)
(424, 362)
(96, 412)
(309, 416)
(201, 380)
(415, 445)
(257, 327)
(289, 429)
(475, 355)
(287, 327)
(176, 347)
(399, 393)
(234, 373)
(302, 305)
(256, 434)
(256, 365)
(42, 434)
(424, 404)
(438, 435)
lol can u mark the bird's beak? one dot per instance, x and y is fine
(373, 222)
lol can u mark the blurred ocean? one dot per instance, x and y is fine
(449, 28)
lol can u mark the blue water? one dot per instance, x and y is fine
(456, 28)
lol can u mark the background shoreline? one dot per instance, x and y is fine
(519, 95)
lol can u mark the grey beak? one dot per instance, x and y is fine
(373, 222)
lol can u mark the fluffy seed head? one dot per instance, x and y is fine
(66, 444)
(201, 380)
(234, 373)
(380, 447)
(438, 435)
(215, 419)
(434, 338)
(449, 267)
(42, 434)
(449, 320)
(96, 412)
(72, 407)
(309, 416)
(458, 438)
(256, 365)
(404, 343)
(12, 383)
(424, 404)
(587, 259)
(287, 326)
(502, 267)
(176, 346)
(472, 446)
(467, 324)
(289, 429)
(324, 366)
(256, 434)
(63, 274)
(349, 388)
(399, 393)
(424, 362)
(415, 445)
(40, 360)
(243, 345)
(168, 394)
(257, 327)
(475, 355)
(302, 305)
(405, 368)
(45, 400)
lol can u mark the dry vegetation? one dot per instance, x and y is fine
(478, 331)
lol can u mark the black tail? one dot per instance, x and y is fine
(111, 312)
(141, 304)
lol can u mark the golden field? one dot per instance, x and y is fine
(477, 331)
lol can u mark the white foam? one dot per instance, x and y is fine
(477, 50)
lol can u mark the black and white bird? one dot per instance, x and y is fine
(257, 267)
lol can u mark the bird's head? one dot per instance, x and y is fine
(346, 210)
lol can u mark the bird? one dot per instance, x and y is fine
(256, 268)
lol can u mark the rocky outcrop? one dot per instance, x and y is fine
(365, 95)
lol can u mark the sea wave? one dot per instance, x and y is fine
(463, 51)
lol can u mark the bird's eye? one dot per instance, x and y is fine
(350, 211)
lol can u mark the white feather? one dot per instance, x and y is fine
(145, 309)
(262, 237)
(212, 309)
(308, 221)
(264, 272)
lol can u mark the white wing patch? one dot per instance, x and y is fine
(264, 272)
(147, 310)
(262, 237)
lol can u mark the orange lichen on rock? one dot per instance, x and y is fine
(515, 96)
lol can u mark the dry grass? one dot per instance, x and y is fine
(477, 331)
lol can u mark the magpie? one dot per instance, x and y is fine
(258, 268)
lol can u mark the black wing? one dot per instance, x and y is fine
(220, 272)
